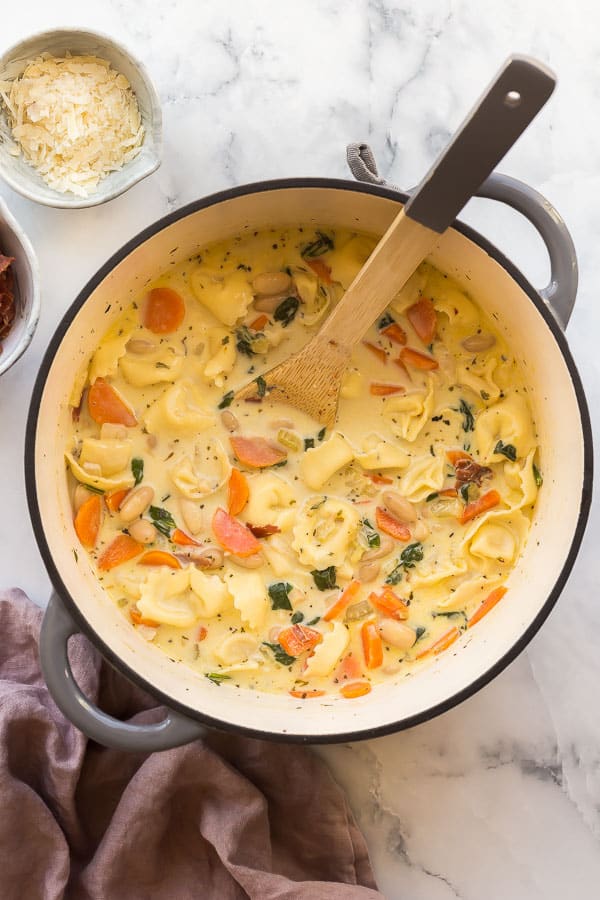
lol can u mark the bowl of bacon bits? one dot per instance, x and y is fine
(80, 119)
(19, 290)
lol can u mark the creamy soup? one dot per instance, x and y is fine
(252, 544)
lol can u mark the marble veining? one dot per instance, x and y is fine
(501, 796)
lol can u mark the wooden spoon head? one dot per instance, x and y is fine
(310, 380)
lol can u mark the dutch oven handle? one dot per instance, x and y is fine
(560, 293)
(174, 730)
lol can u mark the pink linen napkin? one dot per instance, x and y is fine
(223, 818)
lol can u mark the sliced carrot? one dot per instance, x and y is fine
(422, 317)
(379, 352)
(321, 269)
(256, 452)
(489, 603)
(306, 695)
(138, 619)
(395, 333)
(449, 492)
(344, 600)
(201, 633)
(392, 526)
(456, 455)
(441, 644)
(355, 689)
(238, 492)
(259, 323)
(233, 535)
(349, 669)
(418, 360)
(160, 558)
(182, 539)
(380, 479)
(163, 310)
(298, 638)
(114, 499)
(372, 645)
(389, 603)
(121, 550)
(88, 521)
(384, 390)
(481, 505)
(105, 404)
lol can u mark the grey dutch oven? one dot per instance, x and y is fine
(533, 322)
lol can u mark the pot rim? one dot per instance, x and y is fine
(106, 650)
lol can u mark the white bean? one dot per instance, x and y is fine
(269, 304)
(368, 571)
(207, 557)
(386, 545)
(399, 506)
(80, 495)
(268, 283)
(397, 634)
(476, 343)
(229, 421)
(143, 531)
(139, 346)
(191, 515)
(136, 502)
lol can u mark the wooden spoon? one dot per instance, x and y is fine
(310, 380)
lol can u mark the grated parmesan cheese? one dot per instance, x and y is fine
(74, 119)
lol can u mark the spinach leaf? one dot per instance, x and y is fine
(370, 535)
(279, 593)
(537, 475)
(261, 386)
(286, 311)
(395, 575)
(413, 553)
(431, 497)
(217, 677)
(309, 443)
(163, 520)
(385, 321)
(137, 469)
(507, 450)
(297, 617)
(281, 657)
(226, 400)
(419, 631)
(321, 434)
(322, 244)
(324, 578)
(314, 621)
(467, 412)
(245, 339)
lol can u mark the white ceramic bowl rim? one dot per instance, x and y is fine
(28, 323)
(455, 698)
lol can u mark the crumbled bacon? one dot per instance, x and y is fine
(7, 299)
(470, 472)
(261, 531)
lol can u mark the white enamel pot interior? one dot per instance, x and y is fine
(535, 583)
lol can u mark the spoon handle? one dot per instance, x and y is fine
(500, 116)
(506, 108)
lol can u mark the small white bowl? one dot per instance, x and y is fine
(14, 242)
(22, 177)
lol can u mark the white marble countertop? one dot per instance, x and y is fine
(500, 797)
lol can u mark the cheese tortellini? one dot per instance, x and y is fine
(407, 415)
(181, 410)
(508, 422)
(227, 298)
(325, 532)
(320, 463)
